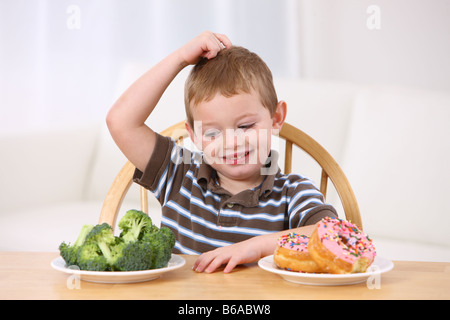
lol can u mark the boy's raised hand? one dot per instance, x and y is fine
(126, 118)
(206, 45)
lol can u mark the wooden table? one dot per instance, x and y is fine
(28, 275)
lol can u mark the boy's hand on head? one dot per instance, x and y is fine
(127, 117)
(206, 45)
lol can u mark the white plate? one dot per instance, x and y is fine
(379, 266)
(175, 262)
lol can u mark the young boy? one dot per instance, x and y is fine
(227, 203)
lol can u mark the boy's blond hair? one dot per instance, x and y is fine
(233, 71)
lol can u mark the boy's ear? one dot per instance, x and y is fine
(279, 115)
(192, 135)
(190, 131)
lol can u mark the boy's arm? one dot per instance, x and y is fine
(244, 252)
(253, 249)
(126, 119)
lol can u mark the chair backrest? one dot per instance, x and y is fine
(291, 135)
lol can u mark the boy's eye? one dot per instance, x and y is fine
(246, 126)
(211, 134)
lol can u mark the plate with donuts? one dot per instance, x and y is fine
(337, 253)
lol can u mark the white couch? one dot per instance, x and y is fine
(393, 143)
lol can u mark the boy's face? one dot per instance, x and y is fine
(234, 133)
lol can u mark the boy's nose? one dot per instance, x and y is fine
(233, 138)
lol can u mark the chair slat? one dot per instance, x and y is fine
(324, 184)
(144, 200)
(288, 157)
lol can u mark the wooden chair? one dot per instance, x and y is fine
(289, 133)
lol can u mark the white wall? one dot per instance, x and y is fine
(410, 48)
(61, 60)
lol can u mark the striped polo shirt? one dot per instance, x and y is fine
(205, 216)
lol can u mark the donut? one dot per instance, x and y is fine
(292, 254)
(340, 247)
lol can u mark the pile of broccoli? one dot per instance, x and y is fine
(140, 246)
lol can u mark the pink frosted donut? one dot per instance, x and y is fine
(339, 246)
(292, 254)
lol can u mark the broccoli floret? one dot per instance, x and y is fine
(170, 236)
(90, 258)
(161, 242)
(141, 246)
(133, 224)
(134, 256)
(102, 235)
(70, 252)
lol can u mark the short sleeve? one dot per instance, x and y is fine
(307, 205)
(157, 165)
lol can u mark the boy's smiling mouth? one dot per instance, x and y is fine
(236, 157)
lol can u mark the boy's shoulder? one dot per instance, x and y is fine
(292, 180)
